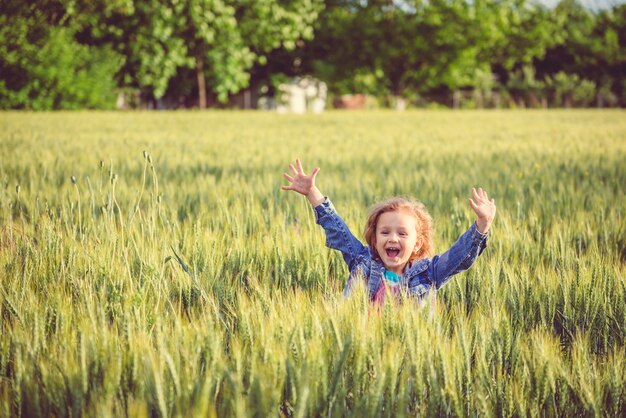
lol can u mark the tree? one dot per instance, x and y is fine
(220, 40)
(592, 47)
(407, 47)
(42, 65)
(413, 47)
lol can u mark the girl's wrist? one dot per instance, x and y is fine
(483, 225)
(315, 197)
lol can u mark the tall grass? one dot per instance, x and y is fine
(180, 281)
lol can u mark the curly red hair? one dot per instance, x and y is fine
(415, 208)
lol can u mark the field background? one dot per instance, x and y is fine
(99, 318)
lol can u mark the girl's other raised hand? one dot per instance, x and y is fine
(484, 208)
(303, 183)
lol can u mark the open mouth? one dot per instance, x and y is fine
(392, 252)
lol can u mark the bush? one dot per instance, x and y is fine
(59, 74)
(570, 89)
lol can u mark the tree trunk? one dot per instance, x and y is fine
(201, 83)
(567, 101)
(478, 97)
(456, 99)
(247, 99)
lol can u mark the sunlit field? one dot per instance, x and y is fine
(151, 266)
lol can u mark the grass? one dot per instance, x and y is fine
(99, 318)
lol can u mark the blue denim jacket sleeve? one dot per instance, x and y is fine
(459, 257)
(338, 235)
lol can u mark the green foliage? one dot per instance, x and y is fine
(50, 70)
(74, 54)
(98, 317)
(247, 32)
(521, 33)
(590, 46)
(569, 89)
(219, 39)
(406, 47)
(429, 48)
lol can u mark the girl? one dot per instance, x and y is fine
(399, 256)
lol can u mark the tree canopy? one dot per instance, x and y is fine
(64, 54)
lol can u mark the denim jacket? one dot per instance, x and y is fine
(419, 278)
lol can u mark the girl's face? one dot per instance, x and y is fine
(396, 239)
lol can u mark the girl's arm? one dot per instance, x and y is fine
(470, 245)
(338, 235)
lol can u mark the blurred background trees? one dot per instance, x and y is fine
(67, 54)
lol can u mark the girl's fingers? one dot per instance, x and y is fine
(288, 177)
(485, 193)
(472, 204)
(293, 169)
(314, 173)
(299, 164)
(286, 188)
(475, 194)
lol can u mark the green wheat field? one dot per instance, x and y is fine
(151, 266)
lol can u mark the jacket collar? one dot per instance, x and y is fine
(417, 267)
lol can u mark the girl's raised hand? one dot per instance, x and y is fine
(484, 208)
(299, 181)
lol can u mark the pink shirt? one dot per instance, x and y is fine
(390, 285)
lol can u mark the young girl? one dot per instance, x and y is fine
(399, 256)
